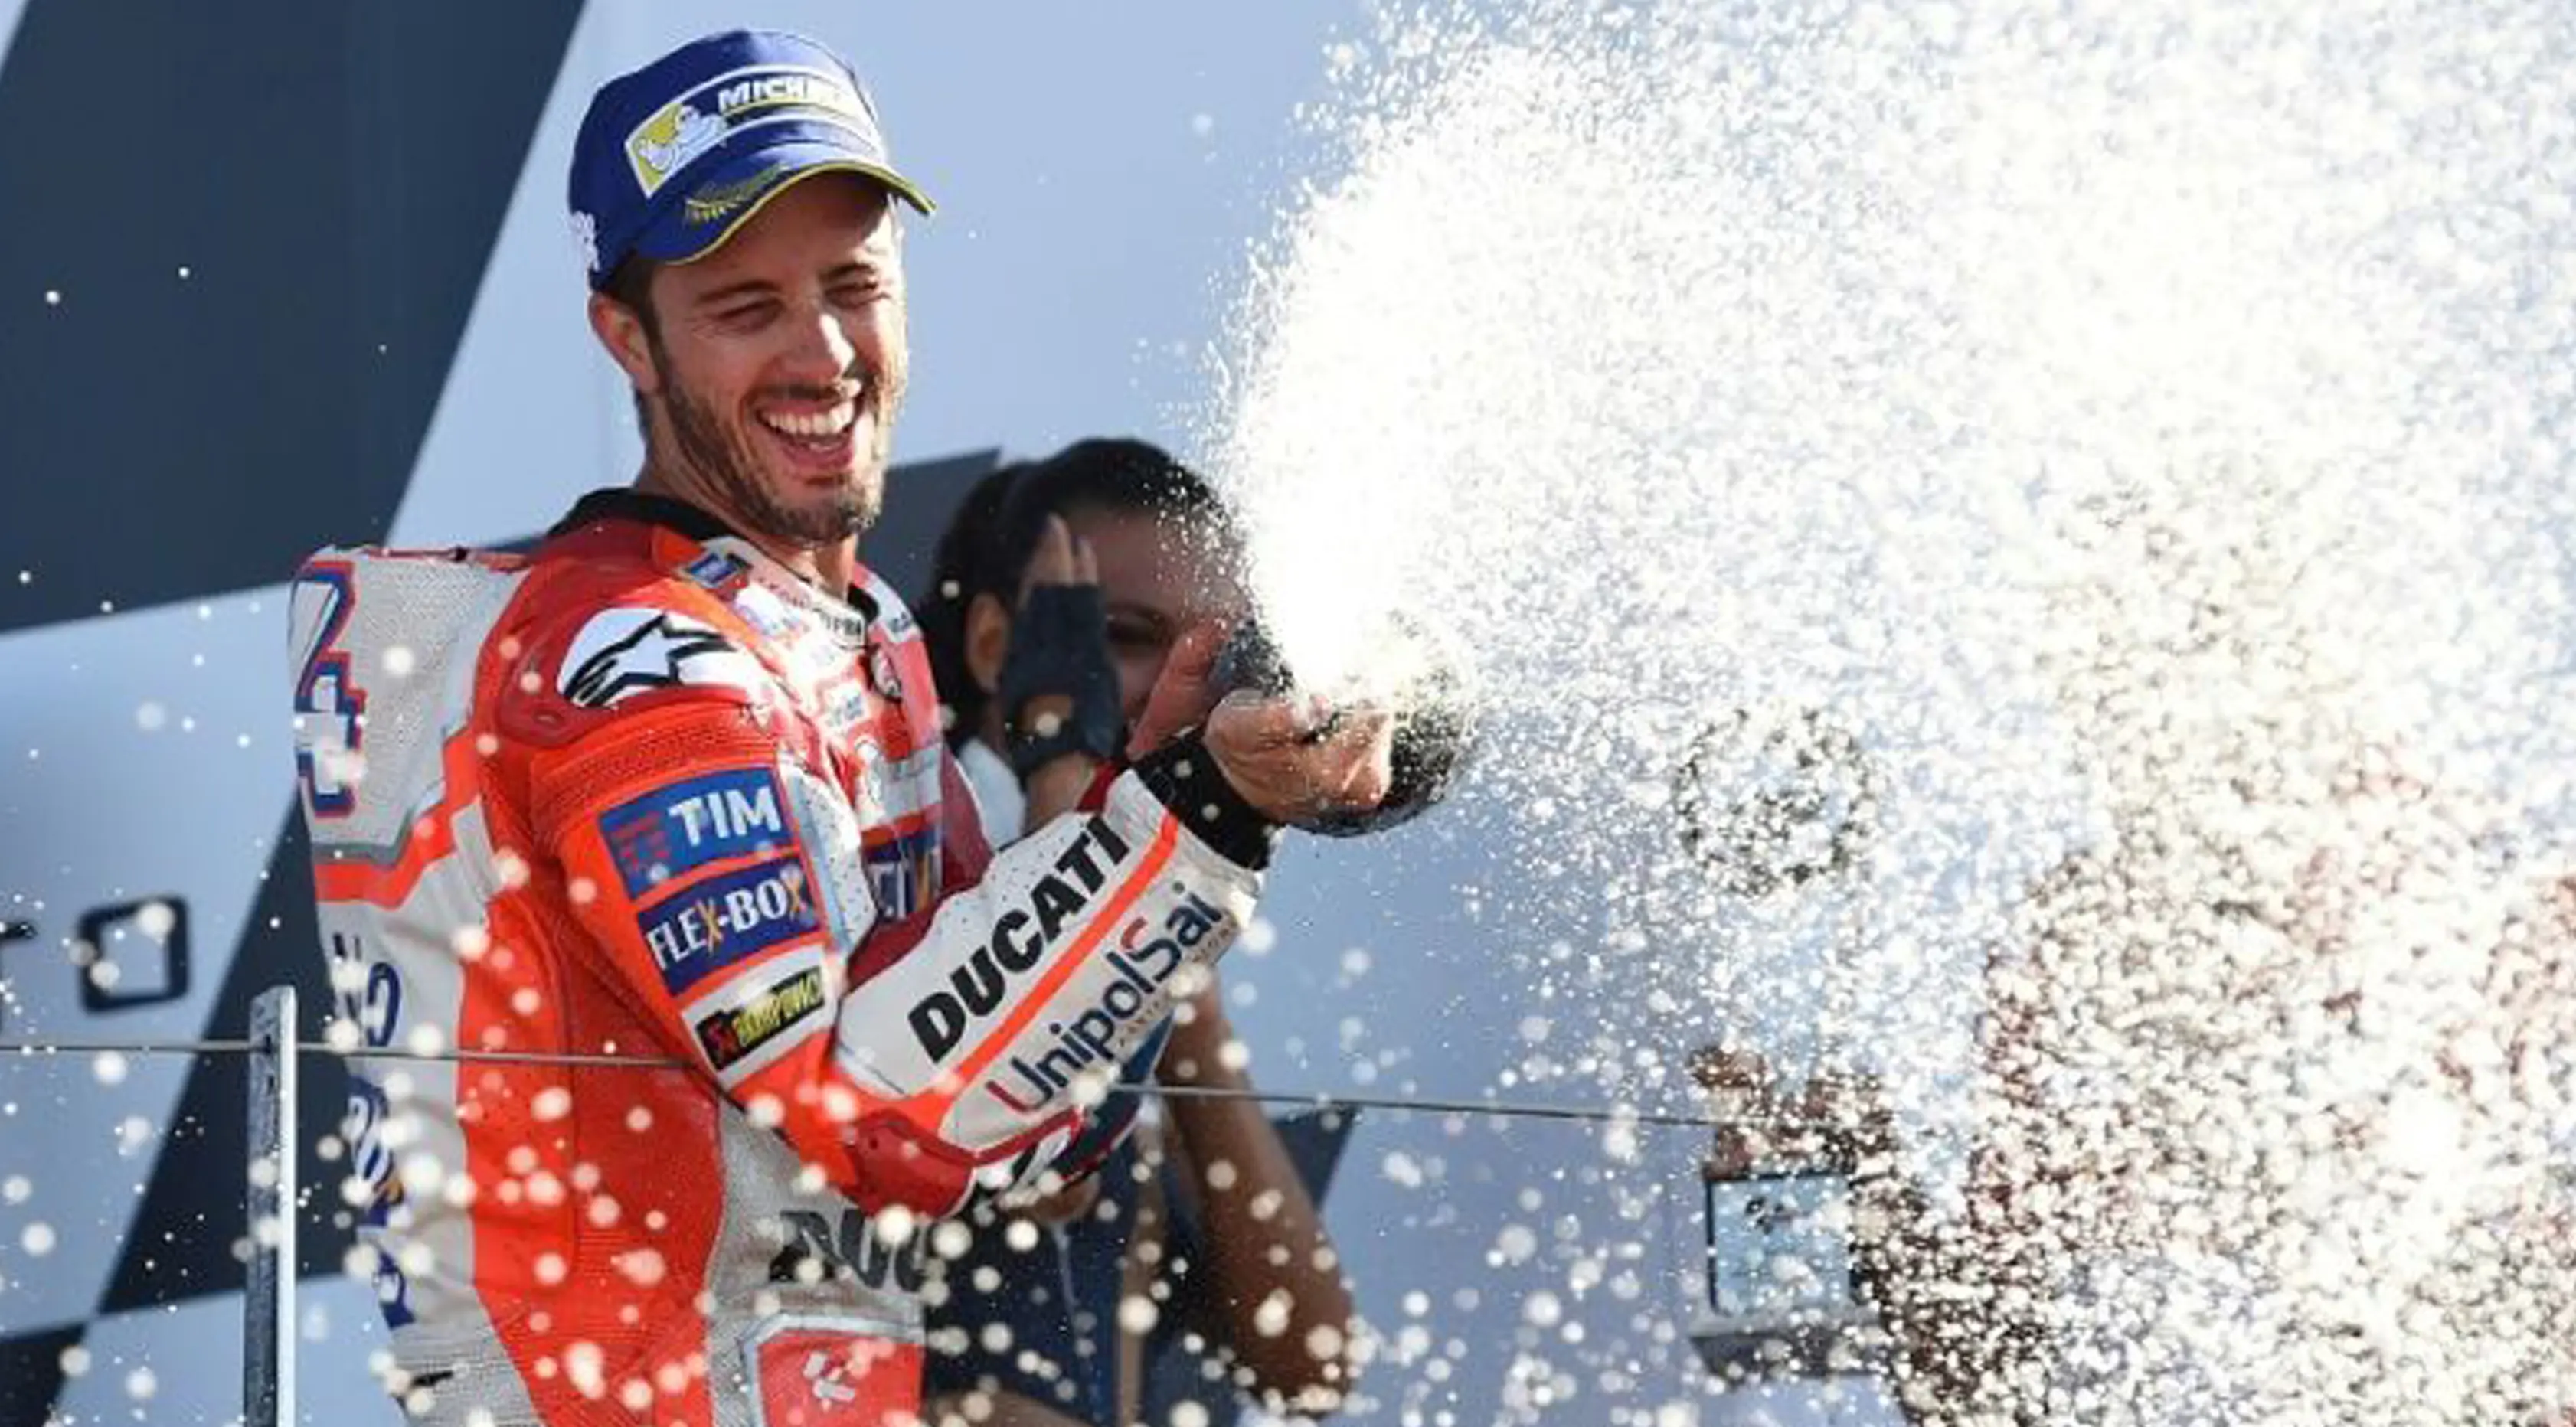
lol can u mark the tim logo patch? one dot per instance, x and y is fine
(673, 831)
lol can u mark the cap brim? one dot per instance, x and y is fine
(701, 220)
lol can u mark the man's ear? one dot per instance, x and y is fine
(988, 641)
(621, 331)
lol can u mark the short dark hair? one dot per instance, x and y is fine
(631, 287)
(1117, 475)
(994, 535)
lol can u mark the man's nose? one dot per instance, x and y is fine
(821, 351)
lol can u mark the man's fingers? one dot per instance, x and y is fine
(1254, 723)
(1180, 695)
(1194, 652)
(1355, 728)
(1335, 736)
(1314, 760)
(1358, 758)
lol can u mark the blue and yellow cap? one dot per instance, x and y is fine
(674, 157)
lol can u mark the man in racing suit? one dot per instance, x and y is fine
(671, 788)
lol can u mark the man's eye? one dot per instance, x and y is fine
(858, 294)
(1132, 638)
(748, 315)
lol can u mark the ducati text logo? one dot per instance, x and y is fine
(856, 1250)
(1021, 937)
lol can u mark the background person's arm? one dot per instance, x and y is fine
(1270, 1272)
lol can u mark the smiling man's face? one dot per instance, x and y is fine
(771, 369)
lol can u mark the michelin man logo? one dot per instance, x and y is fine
(663, 144)
(585, 235)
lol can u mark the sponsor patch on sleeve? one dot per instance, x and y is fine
(734, 1032)
(710, 925)
(715, 570)
(674, 830)
(903, 871)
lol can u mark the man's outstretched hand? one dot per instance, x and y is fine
(1297, 760)
(1290, 756)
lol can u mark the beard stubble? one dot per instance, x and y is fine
(726, 462)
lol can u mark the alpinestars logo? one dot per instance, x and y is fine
(624, 652)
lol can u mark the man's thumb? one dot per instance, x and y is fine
(1181, 695)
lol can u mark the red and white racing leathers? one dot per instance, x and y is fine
(646, 794)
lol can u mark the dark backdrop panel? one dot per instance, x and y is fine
(332, 177)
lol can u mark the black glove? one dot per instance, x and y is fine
(1060, 648)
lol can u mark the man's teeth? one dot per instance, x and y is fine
(813, 425)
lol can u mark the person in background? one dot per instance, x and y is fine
(1058, 595)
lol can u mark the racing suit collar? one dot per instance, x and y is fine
(627, 503)
(699, 524)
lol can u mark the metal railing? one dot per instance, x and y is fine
(274, 1051)
(268, 1308)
